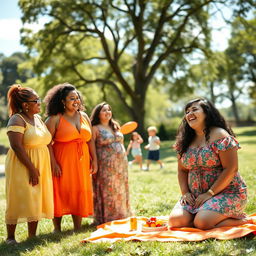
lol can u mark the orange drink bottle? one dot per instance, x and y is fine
(133, 223)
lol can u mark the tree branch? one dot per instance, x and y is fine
(157, 35)
(177, 36)
(105, 81)
(117, 8)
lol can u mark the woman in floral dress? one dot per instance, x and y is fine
(110, 183)
(213, 192)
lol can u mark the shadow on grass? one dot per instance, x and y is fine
(252, 142)
(247, 133)
(244, 246)
(93, 249)
(29, 244)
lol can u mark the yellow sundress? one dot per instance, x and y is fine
(24, 202)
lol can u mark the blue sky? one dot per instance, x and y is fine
(10, 25)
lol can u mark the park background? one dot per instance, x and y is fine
(146, 58)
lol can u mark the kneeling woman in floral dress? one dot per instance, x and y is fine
(213, 192)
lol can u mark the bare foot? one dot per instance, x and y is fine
(11, 241)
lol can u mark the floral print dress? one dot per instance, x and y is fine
(110, 183)
(204, 168)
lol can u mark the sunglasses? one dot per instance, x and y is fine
(36, 101)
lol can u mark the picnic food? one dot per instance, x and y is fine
(153, 222)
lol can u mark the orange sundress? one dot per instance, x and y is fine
(73, 190)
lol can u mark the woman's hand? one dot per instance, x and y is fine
(56, 170)
(34, 176)
(94, 167)
(187, 198)
(201, 199)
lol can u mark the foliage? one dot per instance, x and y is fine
(226, 74)
(242, 51)
(119, 44)
(207, 74)
(10, 74)
(246, 111)
(152, 193)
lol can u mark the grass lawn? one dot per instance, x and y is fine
(152, 193)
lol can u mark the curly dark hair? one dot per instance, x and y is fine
(56, 95)
(95, 119)
(186, 134)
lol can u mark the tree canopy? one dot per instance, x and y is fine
(122, 45)
(10, 74)
(242, 52)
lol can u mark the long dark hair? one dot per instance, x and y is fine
(56, 95)
(16, 96)
(95, 119)
(186, 134)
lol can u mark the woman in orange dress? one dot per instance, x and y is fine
(71, 152)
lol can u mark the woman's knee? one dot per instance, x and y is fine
(202, 222)
(177, 221)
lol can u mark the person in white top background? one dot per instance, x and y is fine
(153, 147)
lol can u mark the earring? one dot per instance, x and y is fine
(26, 109)
(64, 106)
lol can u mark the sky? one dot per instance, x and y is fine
(10, 25)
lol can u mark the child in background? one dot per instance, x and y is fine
(153, 147)
(134, 145)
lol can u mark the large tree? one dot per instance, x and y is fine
(139, 40)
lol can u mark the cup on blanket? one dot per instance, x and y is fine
(133, 223)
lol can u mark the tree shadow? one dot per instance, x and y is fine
(31, 243)
(247, 133)
(253, 142)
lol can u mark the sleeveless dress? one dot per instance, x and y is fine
(204, 169)
(110, 183)
(73, 190)
(27, 203)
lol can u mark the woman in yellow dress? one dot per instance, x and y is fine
(29, 189)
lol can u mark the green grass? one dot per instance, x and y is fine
(152, 193)
(3, 141)
(3, 137)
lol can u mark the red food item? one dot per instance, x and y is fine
(153, 219)
(148, 223)
(158, 225)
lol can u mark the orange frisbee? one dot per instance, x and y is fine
(128, 127)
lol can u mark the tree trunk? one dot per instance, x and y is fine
(234, 109)
(139, 116)
(213, 97)
(231, 86)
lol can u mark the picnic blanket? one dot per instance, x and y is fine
(120, 230)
